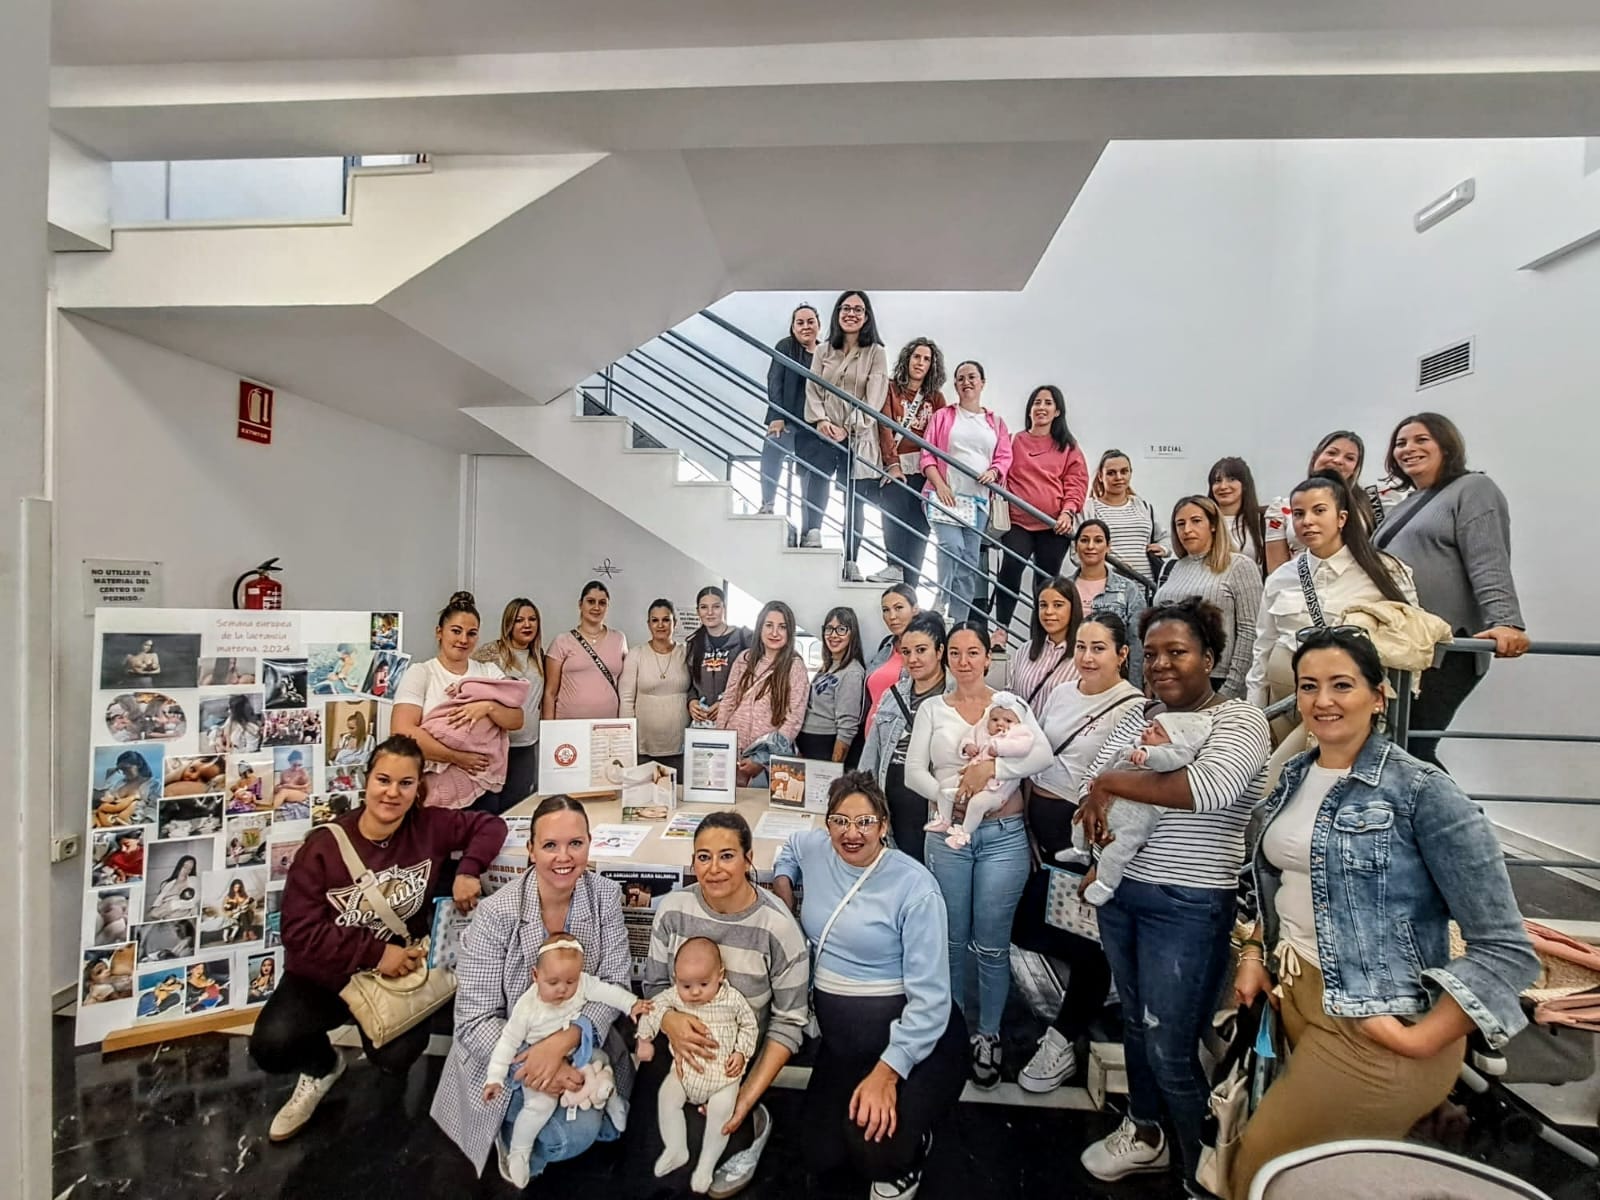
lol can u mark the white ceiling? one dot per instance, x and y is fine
(164, 31)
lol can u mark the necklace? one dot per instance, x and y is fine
(657, 656)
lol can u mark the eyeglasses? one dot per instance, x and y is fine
(852, 310)
(1310, 631)
(834, 630)
(863, 823)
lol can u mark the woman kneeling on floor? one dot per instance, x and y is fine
(331, 931)
(1406, 852)
(892, 1059)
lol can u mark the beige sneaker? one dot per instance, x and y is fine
(308, 1093)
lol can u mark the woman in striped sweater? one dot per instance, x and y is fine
(1208, 568)
(767, 960)
(1166, 930)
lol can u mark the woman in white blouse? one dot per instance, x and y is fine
(983, 879)
(1339, 565)
(655, 689)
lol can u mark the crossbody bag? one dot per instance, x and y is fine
(384, 1007)
(822, 939)
(599, 664)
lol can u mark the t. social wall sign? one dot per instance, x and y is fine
(255, 412)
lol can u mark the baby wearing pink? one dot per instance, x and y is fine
(1004, 735)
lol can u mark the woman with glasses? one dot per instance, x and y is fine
(983, 878)
(1364, 857)
(892, 1061)
(844, 442)
(832, 728)
(1338, 568)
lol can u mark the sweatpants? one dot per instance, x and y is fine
(1338, 1083)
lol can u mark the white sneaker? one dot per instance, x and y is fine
(812, 540)
(734, 1175)
(887, 575)
(1098, 893)
(1051, 1065)
(308, 1093)
(1123, 1152)
(852, 573)
(1073, 855)
(519, 1163)
(904, 1187)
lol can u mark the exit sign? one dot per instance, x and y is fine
(1164, 450)
(255, 413)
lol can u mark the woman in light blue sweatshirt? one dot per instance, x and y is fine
(892, 1059)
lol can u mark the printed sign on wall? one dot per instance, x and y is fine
(255, 412)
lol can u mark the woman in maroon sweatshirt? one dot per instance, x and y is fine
(330, 932)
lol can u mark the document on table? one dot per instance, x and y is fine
(779, 825)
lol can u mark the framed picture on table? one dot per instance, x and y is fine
(710, 766)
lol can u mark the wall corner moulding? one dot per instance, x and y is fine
(1446, 205)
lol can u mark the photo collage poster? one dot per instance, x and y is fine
(218, 740)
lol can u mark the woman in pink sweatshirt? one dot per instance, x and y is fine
(958, 497)
(765, 700)
(1049, 472)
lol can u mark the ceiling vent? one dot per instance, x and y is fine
(1444, 365)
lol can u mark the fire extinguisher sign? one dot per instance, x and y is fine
(255, 413)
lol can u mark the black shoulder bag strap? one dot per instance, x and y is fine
(901, 701)
(595, 658)
(1090, 720)
(1391, 528)
(1308, 589)
(1047, 677)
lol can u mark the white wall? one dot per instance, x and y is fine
(1245, 297)
(537, 535)
(149, 468)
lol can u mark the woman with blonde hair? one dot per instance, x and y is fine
(519, 652)
(1208, 568)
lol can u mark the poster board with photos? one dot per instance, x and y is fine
(218, 739)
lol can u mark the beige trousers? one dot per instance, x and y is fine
(1338, 1084)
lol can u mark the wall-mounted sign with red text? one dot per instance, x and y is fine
(255, 412)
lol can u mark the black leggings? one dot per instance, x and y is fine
(291, 1033)
(1445, 689)
(1045, 548)
(908, 812)
(855, 1030)
(1088, 973)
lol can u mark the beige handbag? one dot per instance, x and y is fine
(383, 1007)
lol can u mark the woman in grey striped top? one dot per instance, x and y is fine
(766, 958)
(1166, 930)
(1208, 568)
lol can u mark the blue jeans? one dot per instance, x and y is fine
(560, 1139)
(982, 883)
(1167, 946)
(958, 582)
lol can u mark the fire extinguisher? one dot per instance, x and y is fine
(261, 590)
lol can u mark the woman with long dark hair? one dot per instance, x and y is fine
(766, 698)
(1101, 588)
(1454, 531)
(898, 606)
(1233, 490)
(655, 688)
(710, 652)
(921, 647)
(1343, 452)
(1049, 472)
(1046, 663)
(844, 444)
(913, 398)
(786, 399)
(832, 728)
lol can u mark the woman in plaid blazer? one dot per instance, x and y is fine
(558, 893)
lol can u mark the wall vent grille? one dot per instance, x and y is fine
(1443, 365)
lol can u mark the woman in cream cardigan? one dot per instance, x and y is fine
(655, 689)
(845, 444)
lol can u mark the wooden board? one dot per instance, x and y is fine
(166, 1031)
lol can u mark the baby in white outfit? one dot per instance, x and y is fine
(1005, 736)
(560, 990)
(701, 989)
(1169, 743)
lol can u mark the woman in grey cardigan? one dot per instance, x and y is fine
(1454, 532)
(922, 646)
(1207, 568)
(838, 701)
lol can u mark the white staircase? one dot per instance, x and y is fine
(695, 516)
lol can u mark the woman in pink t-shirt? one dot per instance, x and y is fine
(883, 671)
(583, 668)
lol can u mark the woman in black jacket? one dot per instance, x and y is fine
(786, 399)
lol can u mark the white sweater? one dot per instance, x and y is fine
(533, 1020)
(933, 757)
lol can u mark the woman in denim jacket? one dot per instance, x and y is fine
(1365, 855)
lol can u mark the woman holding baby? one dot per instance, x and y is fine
(1166, 927)
(968, 760)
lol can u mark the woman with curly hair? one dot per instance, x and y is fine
(913, 398)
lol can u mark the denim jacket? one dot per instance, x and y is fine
(889, 726)
(1127, 599)
(1398, 851)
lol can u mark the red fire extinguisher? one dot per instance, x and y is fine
(261, 590)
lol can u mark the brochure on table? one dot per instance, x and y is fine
(586, 758)
(802, 783)
(218, 739)
(710, 766)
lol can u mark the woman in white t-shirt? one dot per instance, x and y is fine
(1137, 538)
(519, 653)
(425, 684)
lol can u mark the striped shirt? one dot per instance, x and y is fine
(1133, 526)
(763, 952)
(1033, 679)
(1236, 590)
(1204, 847)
